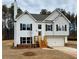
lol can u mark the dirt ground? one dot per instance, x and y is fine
(72, 44)
(9, 53)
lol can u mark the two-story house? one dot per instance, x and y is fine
(28, 27)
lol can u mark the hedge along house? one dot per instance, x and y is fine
(47, 30)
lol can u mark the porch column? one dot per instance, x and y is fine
(66, 41)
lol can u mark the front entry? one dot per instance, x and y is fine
(39, 33)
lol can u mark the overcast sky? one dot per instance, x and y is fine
(34, 6)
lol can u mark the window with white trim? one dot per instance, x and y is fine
(58, 28)
(22, 26)
(29, 26)
(22, 40)
(39, 26)
(29, 40)
(48, 27)
(64, 27)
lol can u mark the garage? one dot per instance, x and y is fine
(55, 41)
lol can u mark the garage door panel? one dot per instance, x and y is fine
(55, 41)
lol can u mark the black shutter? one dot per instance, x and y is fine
(51, 27)
(46, 27)
(20, 26)
(65, 27)
(57, 28)
(31, 26)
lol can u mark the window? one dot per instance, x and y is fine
(22, 40)
(29, 26)
(39, 26)
(65, 27)
(22, 26)
(29, 40)
(48, 27)
(58, 28)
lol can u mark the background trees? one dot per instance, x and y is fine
(8, 21)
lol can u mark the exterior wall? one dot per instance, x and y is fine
(24, 33)
(61, 21)
(26, 19)
(57, 19)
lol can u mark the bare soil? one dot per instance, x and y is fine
(10, 53)
(72, 44)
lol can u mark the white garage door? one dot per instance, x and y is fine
(55, 41)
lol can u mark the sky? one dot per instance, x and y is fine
(35, 6)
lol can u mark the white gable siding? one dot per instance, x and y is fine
(61, 21)
(52, 16)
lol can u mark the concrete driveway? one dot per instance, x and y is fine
(67, 50)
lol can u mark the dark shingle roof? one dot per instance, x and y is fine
(39, 17)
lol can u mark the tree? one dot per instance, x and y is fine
(11, 11)
(43, 11)
(8, 14)
(4, 8)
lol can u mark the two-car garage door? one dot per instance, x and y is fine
(55, 41)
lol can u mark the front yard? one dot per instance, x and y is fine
(9, 53)
(72, 44)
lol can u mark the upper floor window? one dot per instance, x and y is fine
(29, 26)
(39, 26)
(22, 26)
(58, 28)
(61, 28)
(48, 27)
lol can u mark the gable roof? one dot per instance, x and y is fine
(26, 12)
(60, 13)
(40, 17)
(64, 16)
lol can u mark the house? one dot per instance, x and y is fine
(29, 28)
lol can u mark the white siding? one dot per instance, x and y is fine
(26, 19)
(61, 21)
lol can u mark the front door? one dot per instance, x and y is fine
(39, 33)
